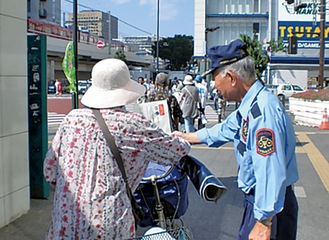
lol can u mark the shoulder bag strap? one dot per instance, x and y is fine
(113, 147)
(190, 94)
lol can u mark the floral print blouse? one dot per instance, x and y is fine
(90, 199)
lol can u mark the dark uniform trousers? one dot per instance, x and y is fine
(284, 224)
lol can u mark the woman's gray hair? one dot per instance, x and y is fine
(162, 79)
(244, 68)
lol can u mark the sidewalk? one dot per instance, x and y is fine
(31, 226)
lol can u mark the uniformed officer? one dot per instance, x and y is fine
(264, 143)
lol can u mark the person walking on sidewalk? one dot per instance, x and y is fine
(189, 103)
(90, 199)
(264, 143)
(203, 94)
(58, 86)
(161, 92)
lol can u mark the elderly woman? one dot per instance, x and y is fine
(90, 199)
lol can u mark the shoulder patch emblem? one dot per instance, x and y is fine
(245, 126)
(265, 142)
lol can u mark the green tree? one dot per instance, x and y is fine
(178, 50)
(256, 51)
(120, 55)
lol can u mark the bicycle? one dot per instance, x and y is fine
(162, 194)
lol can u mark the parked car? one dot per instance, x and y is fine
(83, 86)
(51, 87)
(285, 90)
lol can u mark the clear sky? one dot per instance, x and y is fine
(176, 16)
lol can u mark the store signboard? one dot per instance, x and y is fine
(302, 23)
(287, 12)
(308, 34)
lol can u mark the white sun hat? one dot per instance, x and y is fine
(188, 80)
(111, 85)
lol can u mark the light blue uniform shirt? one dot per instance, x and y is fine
(264, 143)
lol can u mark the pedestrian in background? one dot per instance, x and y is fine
(264, 143)
(162, 93)
(152, 88)
(141, 81)
(219, 105)
(189, 103)
(58, 86)
(203, 94)
(90, 199)
(177, 87)
(177, 93)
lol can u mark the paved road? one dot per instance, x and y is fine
(58, 107)
(221, 220)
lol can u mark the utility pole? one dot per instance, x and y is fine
(322, 43)
(75, 95)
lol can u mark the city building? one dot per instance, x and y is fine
(141, 45)
(218, 23)
(97, 22)
(49, 11)
(14, 157)
(223, 21)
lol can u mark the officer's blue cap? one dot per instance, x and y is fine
(226, 54)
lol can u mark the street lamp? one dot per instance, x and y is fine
(322, 26)
(157, 53)
(207, 30)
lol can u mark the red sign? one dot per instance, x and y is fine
(100, 45)
(161, 109)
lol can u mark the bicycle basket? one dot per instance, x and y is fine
(157, 233)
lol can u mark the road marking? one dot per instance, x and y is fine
(320, 164)
(55, 118)
(201, 146)
(312, 133)
(300, 192)
(299, 149)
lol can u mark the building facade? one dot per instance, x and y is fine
(48, 10)
(141, 45)
(14, 160)
(265, 20)
(97, 22)
(230, 18)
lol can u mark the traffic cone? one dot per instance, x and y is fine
(324, 124)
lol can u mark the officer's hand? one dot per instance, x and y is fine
(178, 134)
(190, 137)
(260, 232)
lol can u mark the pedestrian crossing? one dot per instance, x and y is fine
(211, 114)
(57, 118)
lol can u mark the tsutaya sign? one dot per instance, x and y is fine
(303, 23)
